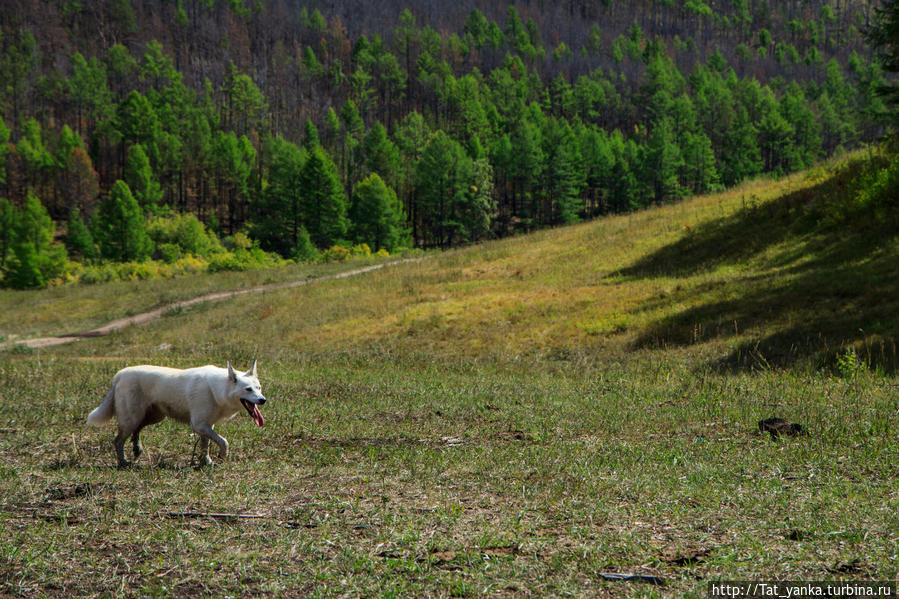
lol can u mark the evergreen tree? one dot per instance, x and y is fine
(24, 270)
(88, 90)
(794, 107)
(33, 224)
(310, 135)
(526, 166)
(79, 241)
(453, 194)
(352, 131)
(4, 150)
(324, 202)
(884, 35)
(35, 260)
(598, 163)
(310, 61)
(624, 188)
(663, 163)
(234, 159)
(119, 226)
(380, 155)
(278, 223)
(39, 163)
(140, 179)
(440, 179)
(776, 140)
(563, 174)
(7, 232)
(376, 215)
(740, 156)
(479, 209)
(139, 124)
(700, 173)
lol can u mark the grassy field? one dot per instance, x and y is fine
(521, 418)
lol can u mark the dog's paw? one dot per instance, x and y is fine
(204, 462)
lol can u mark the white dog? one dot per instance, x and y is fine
(201, 397)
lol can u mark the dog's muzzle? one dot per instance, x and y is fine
(253, 410)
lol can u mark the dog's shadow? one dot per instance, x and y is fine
(161, 463)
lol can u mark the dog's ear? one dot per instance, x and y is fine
(232, 376)
(252, 371)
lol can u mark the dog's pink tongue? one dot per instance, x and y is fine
(257, 415)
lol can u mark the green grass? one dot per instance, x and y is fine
(74, 308)
(514, 419)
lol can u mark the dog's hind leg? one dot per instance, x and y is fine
(152, 416)
(119, 443)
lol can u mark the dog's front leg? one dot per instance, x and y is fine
(209, 434)
(204, 451)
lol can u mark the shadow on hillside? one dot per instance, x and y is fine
(811, 293)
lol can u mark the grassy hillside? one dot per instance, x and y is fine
(747, 277)
(518, 418)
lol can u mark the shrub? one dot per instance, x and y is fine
(99, 273)
(226, 261)
(305, 250)
(134, 271)
(361, 249)
(239, 240)
(189, 265)
(183, 231)
(336, 253)
(169, 252)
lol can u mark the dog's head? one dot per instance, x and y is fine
(245, 387)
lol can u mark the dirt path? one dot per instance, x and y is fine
(146, 317)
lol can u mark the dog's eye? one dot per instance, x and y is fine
(249, 388)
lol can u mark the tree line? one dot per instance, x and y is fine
(406, 140)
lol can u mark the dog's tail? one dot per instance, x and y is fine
(105, 411)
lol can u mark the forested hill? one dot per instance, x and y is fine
(306, 125)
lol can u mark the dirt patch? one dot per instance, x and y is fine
(777, 427)
(685, 557)
(72, 491)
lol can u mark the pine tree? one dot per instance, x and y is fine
(598, 163)
(139, 124)
(776, 140)
(441, 176)
(699, 171)
(88, 90)
(454, 202)
(35, 260)
(563, 174)
(324, 202)
(278, 223)
(7, 232)
(39, 163)
(380, 155)
(119, 227)
(79, 241)
(141, 180)
(376, 215)
(663, 163)
(740, 156)
(4, 150)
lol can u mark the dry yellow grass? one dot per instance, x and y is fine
(567, 290)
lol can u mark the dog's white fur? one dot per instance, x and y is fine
(201, 397)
